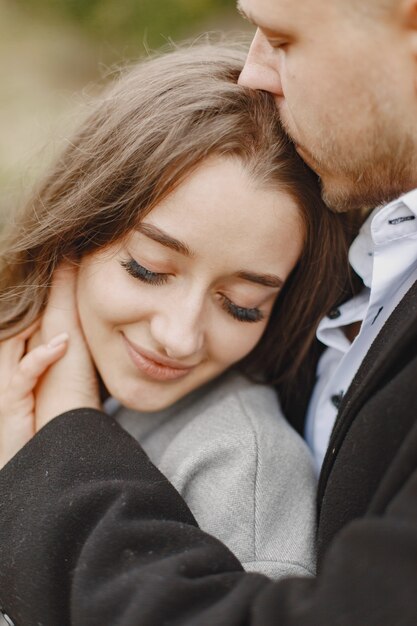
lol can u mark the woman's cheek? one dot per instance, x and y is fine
(105, 295)
(240, 341)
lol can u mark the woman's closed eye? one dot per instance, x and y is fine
(141, 273)
(239, 313)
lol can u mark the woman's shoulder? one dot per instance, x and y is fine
(252, 410)
(234, 392)
(233, 406)
(246, 475)
(235, 421)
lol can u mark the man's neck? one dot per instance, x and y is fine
(351, 330)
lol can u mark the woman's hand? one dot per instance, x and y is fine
(72, 382)
(46, 369)
(19, 375)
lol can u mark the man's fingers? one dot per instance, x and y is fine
(61, 310)
(28, 332)
(35, 363)
(12, 350)
(63, 286)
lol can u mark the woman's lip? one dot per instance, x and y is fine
(159, 360)
(158, 370)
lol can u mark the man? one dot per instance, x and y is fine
(345, 80)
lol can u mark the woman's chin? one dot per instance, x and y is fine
(146, 405)
(152, 396)
(145, 400)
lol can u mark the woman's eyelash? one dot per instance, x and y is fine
(241, 314)
(141, 273)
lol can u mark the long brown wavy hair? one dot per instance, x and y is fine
(157, 123)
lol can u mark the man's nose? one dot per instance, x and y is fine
(261, 69)
(179, 331)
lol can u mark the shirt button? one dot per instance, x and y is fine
(334, 314)
(337, 399)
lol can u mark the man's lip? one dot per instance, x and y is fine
(155, 366)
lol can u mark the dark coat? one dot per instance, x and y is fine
(91, 534)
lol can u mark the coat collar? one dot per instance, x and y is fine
(396, 336)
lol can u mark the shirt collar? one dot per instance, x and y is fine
(329, 330)
(387, 223)
(384, 225)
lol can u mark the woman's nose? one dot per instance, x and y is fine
(178, 331)
(261, 69)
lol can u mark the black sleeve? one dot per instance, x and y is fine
(91, 534)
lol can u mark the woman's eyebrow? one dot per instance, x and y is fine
(269, 280)
(155, 233)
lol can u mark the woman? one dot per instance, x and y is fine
(178, 241)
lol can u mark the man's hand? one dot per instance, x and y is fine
(72, 382)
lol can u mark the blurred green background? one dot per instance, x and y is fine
(54, 53)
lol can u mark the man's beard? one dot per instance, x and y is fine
(382, 175)
(378, 169)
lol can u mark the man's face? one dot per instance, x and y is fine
(345, 89)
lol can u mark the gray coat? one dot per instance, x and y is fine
(246, 475)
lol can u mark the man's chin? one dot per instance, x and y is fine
(336, 201)
(341, 197)
(363, 191)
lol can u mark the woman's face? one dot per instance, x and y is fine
(189, 292)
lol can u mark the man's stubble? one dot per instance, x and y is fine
(366, 168)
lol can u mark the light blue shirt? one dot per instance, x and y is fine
(384, 255)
